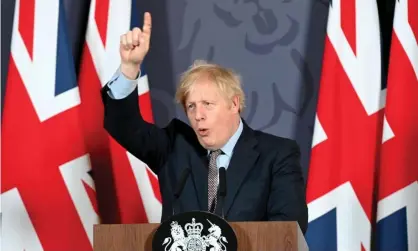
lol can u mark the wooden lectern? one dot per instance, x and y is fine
(251, 236)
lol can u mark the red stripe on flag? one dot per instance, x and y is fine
(413, 17)
(146, 108)
(101, 17)
(348, 21)
(92, 196)
(26, 23)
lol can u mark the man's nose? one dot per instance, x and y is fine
(200, 113)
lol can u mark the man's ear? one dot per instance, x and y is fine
(235, 103)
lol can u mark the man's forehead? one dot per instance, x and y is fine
(200, 91)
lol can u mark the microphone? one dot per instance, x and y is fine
(222, 188)
(180, 185)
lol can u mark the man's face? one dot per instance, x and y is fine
(212, 116)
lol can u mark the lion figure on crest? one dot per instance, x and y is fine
(177, 237)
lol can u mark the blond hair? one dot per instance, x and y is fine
(227, 80)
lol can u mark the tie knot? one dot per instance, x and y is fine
(216, 153)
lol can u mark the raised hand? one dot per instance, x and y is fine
(134, 46)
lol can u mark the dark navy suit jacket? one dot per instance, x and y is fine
(264, 178)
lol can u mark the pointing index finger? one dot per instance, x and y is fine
(147, 24)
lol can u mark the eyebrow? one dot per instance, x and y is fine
(204, 100)
(208, 100)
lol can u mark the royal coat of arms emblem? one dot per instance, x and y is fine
(194, 240)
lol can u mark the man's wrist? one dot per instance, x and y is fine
(130, 71)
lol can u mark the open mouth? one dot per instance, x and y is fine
(203, 131)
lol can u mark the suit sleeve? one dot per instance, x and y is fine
(123, 121)
(287, 200)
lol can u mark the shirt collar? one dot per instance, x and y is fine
(228, 148)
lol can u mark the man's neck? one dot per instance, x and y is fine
(230, 144)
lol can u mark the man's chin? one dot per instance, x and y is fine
(205, 144)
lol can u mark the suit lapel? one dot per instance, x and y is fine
(241, 163)
(199, 165)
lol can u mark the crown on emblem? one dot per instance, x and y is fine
(193, 228)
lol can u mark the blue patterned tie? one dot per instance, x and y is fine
(213, 179)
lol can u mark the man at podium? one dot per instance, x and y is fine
(264, 181)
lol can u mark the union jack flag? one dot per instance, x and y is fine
(397, 208)
(127, 191)
(53, 137)
(348, 129)
(48, 197)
